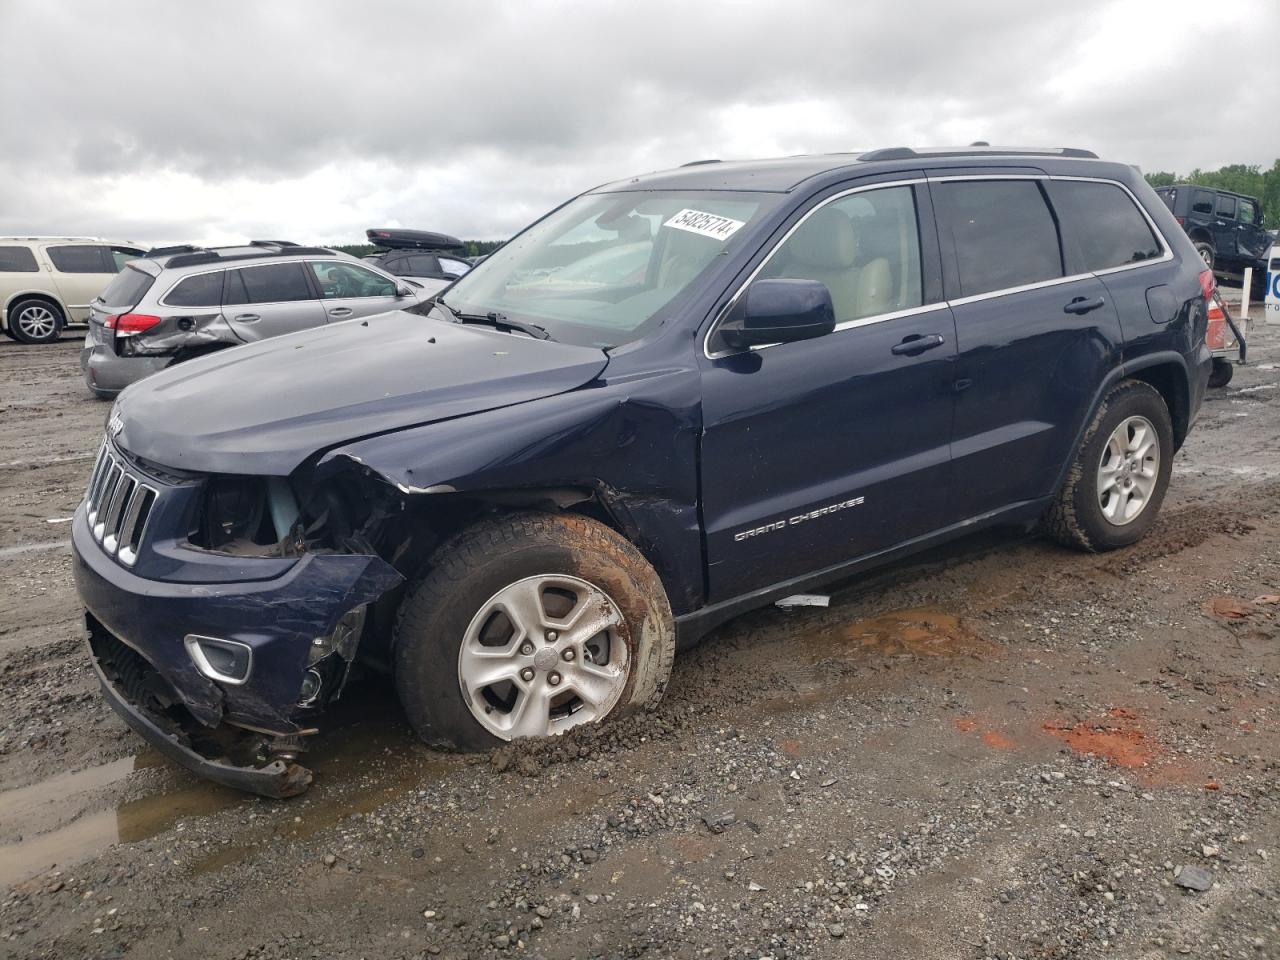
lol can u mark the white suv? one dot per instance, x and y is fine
(49, 282)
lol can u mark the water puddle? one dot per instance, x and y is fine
(368, 758)
(825, 667)
(915, 632)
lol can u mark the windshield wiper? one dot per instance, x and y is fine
(498, 321)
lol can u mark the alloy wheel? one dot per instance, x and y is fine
(36, 321)
(1128, 470)
(543, 654)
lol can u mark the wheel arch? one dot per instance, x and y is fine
(1166, 373)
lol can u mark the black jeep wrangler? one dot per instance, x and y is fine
(1225, 227)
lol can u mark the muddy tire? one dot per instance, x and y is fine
(529, 624)
(1118, 480)
(35, 321)
(1221, 373)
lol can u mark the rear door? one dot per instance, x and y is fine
(1034, 341)
(81, 271)
(349, 290)
(818, 452)
(270, 299)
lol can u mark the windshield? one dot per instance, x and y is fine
(599, 271)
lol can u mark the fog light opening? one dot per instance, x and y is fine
(311, 684)
(227, 661)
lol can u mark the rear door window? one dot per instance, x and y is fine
(273, 283)
(1001, 231)
(18, 260)
(1108, 229)
(1226, 207)
(81, 258)
(201, 290)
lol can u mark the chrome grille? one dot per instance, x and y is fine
(119, 505)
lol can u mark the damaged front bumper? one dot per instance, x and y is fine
(138, 632)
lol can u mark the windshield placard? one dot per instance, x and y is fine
(707, 224)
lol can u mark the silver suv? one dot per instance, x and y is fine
(181, 302)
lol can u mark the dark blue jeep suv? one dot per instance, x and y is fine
(672, 399)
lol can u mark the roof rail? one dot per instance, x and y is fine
(213, 256)
(698, 163)
(94, 239)
(976, 150)
(272, 243)
(167, 251)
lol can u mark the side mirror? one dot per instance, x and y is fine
(403, 291)
(779, 311)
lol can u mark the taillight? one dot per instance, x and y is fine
(130, 323)
(1182, 221)
(1207, 285)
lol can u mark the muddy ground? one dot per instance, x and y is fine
(1004, 749)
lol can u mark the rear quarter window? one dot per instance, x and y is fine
(1108, 228)
(1202, 202)
(18, 260)
(1002, 233)
(201, 290)
(127, 289)
(81, 258)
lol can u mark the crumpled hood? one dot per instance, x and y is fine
(265, 407)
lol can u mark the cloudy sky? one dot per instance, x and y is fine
(312, 120)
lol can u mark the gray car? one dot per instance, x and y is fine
(181, 302)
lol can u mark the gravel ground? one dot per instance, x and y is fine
(1003, 749)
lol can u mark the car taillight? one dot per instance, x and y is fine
(130, 323)
(1207, 285)
(1182, 221)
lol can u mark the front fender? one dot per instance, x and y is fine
(636, 454)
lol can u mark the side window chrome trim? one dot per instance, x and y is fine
(959, 301)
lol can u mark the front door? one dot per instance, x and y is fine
(1224, 226)
(1252, 242)
(271, 299)
(818, 452)
(348, 290)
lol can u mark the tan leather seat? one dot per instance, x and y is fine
(825, 249)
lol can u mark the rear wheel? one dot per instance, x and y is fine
(1206, 253)
(1221, 373)
(528, 625)
(35, 321)
(1115, 486)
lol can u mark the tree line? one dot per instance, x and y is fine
(1251, 180)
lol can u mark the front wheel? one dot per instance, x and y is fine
(1115, 486)
(528, 625)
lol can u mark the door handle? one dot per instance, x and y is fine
(917, 343)
(247, 317)
(1080, 305)
(340, 312)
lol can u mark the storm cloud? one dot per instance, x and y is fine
(313, 120)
